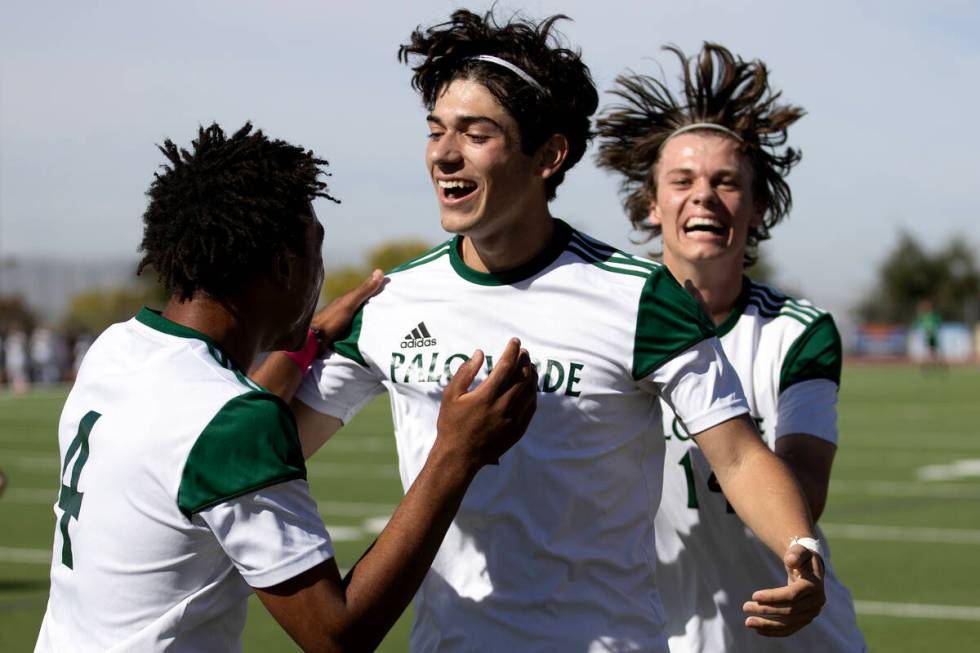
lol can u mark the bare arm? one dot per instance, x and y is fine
(279, 374)
(810, 459)
(768, 499)
(474, 429)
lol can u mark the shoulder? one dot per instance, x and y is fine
(608, 260)
(668, 321)
(806, 333)
(250, 443)
(438, 252)
(772, 303)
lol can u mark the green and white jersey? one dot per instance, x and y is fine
(182, 484)
(553, 549)
(788, 356)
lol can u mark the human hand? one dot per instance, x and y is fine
(484, 423)
(332, 320)
(782, 611)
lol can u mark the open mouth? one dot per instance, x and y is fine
(709, 225)
(456, 189)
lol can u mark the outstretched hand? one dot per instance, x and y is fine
(332, 320)
(484, 423)
(782, 611)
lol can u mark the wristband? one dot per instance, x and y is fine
(809, 543)
(305, 356)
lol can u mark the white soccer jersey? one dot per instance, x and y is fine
(552, 550)
(182, 483)
(788, 356)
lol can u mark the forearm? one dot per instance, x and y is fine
(279, 375)
(767, 497)
(384, 581)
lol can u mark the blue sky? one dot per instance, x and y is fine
(86, 89)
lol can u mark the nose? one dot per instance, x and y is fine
(703, 192)
(444, 151)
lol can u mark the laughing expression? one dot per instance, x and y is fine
(704, 203)
(481, 177)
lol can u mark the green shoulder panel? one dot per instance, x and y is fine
(668, 322)
(816, 354)
(346, 344)
(250, 444)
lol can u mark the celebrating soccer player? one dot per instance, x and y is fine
(553, 548)
(705, 172)
(183, 483)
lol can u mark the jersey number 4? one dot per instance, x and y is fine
(692, 490)
(70, 499)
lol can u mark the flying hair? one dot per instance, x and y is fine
(717, 88)
(560, 97)
(223, 211)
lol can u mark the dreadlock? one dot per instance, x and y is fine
(718, 88)
(564, 107)
(224, 211)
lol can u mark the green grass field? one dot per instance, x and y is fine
(903, 516)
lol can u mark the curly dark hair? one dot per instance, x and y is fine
(225, 210)
(569, 98)
(718, 88)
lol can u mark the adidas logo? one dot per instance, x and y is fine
(418, 337)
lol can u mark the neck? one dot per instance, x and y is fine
(509, 247)
(718, 282)
(220, 322)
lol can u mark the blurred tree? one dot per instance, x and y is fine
(15, 313)
(949, 278)
(385, 256)
(91, 311)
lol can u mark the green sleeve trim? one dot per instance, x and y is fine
(668, 322)
(250, 444)
(816, 354)
(346, 344)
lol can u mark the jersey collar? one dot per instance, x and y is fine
(740, 304)
(156, 321)
(544, 258)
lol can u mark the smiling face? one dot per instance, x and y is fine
(483, 181)
(704, 203)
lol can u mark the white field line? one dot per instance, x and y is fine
(354, 471)
(968, 468)
(967, 443)
(901, 534)
(905, 489)
(918, 610)
(342, 470)
(874, 608)
(327, 506)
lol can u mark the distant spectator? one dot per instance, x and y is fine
(18, 361)
(47, 355)
(929, 321)
(78, 351)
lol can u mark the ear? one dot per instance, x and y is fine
(282, 269)
(654, 218)
(551, 155)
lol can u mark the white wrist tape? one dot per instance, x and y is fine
(810, 543)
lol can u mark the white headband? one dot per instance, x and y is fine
(704, 125)
(489, 58)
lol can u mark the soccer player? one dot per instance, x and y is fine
(706, 174)
(552, 549)
(183, 486)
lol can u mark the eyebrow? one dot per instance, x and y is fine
(466, 121)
